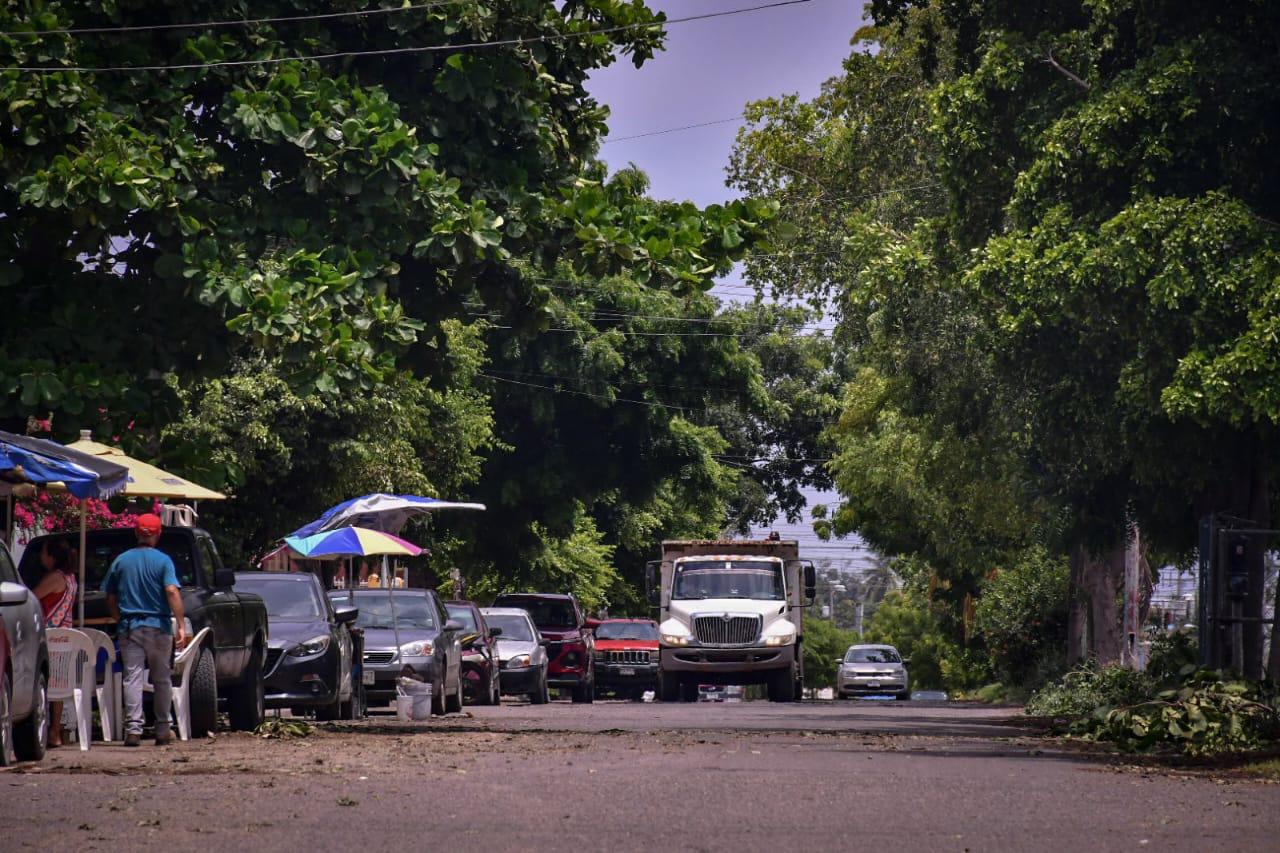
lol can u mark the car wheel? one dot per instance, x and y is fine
(204, 695)
(31, 736)
(489, 695)
(903, 696)
(540, 695)
(585, 693)
(7, 755)
(437, 698)
(248, 702)
(453, 704)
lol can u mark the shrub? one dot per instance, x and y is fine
(1087, 688)
(1022, 617)
(1173, 658)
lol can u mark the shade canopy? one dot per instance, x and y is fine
(388, 513)
(84, 475)
(351, 542)
(146, 480)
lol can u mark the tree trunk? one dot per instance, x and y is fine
(1077, 609)
(1259, 505)
(1273, 659)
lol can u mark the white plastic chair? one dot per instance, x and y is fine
(72, 657)
(110, 691)
(183, 665)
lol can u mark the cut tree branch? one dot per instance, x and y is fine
(1054, 64)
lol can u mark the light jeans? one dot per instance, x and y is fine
(146, 649)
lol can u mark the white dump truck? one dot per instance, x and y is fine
(730, 612)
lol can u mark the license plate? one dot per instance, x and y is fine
(626, 670)
(366, 677)
(873, 684)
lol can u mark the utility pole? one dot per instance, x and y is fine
(857, 619)
(1131, 654)
(831, 597)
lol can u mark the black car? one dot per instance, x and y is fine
(308, 663)
(480, 663)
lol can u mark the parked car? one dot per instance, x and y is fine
(229, 668)
(522, 653)
(570, 646)
(627, 656)
(24, 669)
(429, 643)
(308, 665)
(869, 669)
(481, 681)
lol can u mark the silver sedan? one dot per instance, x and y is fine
(870, 670)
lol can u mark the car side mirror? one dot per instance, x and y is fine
(224, 579)
(906, 661)
(346, 615)
(495, 632)
(810, 581)
(839, 660)
(542, 642)
(13, 593)
(453, 625)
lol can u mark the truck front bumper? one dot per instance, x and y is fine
(626, 674)
(740, 663)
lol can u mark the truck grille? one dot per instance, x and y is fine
(638, 657)
(378, 657)
(722, 631)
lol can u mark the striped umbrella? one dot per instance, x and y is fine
(351, 542)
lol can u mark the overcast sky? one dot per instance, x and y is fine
(709, 71)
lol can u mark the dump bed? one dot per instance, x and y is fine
(785, 549)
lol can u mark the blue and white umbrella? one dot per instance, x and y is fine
(387, 513)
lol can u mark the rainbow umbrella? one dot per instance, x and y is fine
(351, 542)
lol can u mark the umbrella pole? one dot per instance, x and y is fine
(391, 600)
(80, 591)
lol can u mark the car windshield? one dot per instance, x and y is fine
(513, 627)
(627, 631)
(412, 611)
(728, 579)
(550, 613)
(872, 656)
(463, 615)
(287, 600)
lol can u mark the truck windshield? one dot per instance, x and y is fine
(728, 579)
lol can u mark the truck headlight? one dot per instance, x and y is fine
(307, 648)
(780, 639)
(676, 639)
(417, 649)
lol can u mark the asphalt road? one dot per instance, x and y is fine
(623, 776)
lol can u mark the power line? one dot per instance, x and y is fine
(396, 51)
(671, 130)
(604, 397)
(202, 25)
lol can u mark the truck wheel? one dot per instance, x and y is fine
(688, 690)
(668, 688)
(7, 756)
(782, 686)
(32, 734)
(248, 702)
(204, 695)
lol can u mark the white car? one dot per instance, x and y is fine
(870, 670)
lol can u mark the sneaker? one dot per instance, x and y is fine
(132, 739)
(164, 739)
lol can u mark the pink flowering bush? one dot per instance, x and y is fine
(53, 512)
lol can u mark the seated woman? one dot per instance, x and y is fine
(57, 594)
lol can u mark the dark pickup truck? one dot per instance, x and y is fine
(230, 665)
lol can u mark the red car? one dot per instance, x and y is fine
(570, 646)
(627, 656)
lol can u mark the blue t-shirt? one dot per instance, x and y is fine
(138, 578)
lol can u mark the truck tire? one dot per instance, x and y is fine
(782, 686)
(668, 687)
(204, 695)
(688, 690)
(247, 703)
(32, 734)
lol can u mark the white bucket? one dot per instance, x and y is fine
(404, 707)
(414, 703)
(421, 709)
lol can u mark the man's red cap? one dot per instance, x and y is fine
(148, 524)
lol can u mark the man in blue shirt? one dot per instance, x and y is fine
(143, 594)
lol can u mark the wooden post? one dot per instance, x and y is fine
(84, 504)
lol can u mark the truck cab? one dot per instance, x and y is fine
(730, 612)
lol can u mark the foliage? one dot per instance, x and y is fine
(1088, 687)
(53, 512)
(1173, 657)
(1205, 716)
(280, 728)
(1022, 616)
(824, 645)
